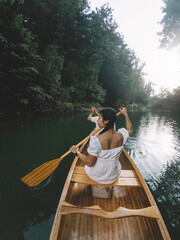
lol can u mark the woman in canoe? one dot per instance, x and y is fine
(102, 162)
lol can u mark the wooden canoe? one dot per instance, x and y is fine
(132, 216)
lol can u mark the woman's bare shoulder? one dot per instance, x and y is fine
(119, 135)
(105, 136)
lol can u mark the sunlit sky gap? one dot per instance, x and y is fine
(138, 22)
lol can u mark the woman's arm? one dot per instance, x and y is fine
(89, 160)
(128, 122)
(91, 114)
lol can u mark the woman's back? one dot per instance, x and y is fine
(107, 147)
(110, 139)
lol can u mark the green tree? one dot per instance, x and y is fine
(170, 34)
(52, 65)
(63, 52)
(19, 60)
(170, 38)
(167, 100)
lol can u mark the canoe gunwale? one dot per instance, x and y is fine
(58, 215)
(79, 210)
(160, 220)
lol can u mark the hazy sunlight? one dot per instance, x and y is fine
(139, 24)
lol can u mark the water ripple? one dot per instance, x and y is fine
(155, 149)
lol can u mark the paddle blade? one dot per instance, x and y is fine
(39, 174)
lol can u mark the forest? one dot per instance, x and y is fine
(169, 39)
(58, 56)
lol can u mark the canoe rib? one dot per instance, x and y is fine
(127, 178)
(151, 227)
(150, 212)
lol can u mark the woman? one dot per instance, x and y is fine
(102, 161)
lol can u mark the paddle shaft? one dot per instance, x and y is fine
(116, 114)
(84, 140)
(42, 172)
(96, 112)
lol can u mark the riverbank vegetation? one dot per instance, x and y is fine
(169, 39)
(166, 101)
(58, 56)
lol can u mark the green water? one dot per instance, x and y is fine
(27, 143)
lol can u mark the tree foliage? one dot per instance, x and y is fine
(19, 60)
(55, 51)
(170, 38)
(167, 100)
(170, 34)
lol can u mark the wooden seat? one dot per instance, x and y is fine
(127, 178)
(150, 212)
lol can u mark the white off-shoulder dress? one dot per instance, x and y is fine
(107, 168)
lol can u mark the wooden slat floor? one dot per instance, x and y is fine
(85, 227)
(79, 226)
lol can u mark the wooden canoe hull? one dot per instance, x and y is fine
(84, 220)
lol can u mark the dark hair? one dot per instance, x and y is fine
(108, 114)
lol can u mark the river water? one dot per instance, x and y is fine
(27, 214)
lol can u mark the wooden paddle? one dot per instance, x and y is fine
(39, 174)
(96, 112)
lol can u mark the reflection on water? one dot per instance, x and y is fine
(167, 193)
(154, 144)
(27, 214)
(155, 148)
